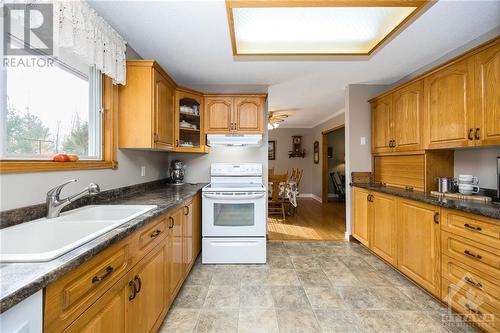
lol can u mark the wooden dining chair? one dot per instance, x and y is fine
(276, 203)
(270, 173)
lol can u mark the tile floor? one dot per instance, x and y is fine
(306, 287)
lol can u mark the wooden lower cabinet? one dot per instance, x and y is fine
(138, 278)
(108, 314)
(383, 227)
(360, 215)
(176, 260)
(418, 235)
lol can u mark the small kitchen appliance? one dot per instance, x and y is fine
(177, 172)
(234, 215)
(445, 184)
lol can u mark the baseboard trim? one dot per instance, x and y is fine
(310, 195)
(315, 197)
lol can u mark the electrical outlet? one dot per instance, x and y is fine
(143, 171)
(363, 140)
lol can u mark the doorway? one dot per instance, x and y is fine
(333, 165)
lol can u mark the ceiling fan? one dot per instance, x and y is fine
(275, 118)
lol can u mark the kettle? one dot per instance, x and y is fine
(177, 172)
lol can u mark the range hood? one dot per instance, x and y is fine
(248, 140)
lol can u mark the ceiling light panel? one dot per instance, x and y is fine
(314, 30)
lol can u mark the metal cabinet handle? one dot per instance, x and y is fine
(470, 254)
(470, 309)
(472, 227)
(99, 278)
(477, 136)
(370, 197)
(172, 222)
(436, 218)
(186, 210)
(393, 143)
(131, 284)
(469, 136)
(138, 287)
(474, 283)
(155, 233)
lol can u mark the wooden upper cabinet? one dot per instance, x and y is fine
(189, 122)
(234, 114)
(361, 215)
(218, 111)
(164, 117)
(146, 108)
(407, 104)
(381, 125)
(449, 106)
(418, 244)
(248, 113)
(487, 117)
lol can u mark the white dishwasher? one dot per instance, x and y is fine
(25, 317)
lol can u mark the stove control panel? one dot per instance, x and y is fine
(236, 169)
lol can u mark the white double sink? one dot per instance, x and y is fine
(45, 239)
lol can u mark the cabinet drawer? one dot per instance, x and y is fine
(69, 296)
(471, 306)
(472, 280)
(483, 230)
(484, 258)
(151, 235)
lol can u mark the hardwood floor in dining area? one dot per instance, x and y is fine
(312, 221)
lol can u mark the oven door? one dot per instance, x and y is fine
(234, 214)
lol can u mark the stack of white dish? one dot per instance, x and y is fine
(468, 184)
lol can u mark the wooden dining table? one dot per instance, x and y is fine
(291, 191)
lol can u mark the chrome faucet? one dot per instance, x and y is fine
(55, 204)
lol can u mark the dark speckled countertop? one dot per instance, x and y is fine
(485, 209)
(21, 280)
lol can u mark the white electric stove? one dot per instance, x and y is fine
(234, 215)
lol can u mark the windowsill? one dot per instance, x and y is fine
(25, 166)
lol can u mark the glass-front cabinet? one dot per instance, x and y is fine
(190, 133)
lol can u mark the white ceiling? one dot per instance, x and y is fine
(190, 39)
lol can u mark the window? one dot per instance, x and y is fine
(51, 109)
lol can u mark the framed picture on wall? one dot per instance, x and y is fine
(316, 152)
(271, 150)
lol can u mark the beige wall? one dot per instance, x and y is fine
(358, 126)
(282, 164)
(480, 162)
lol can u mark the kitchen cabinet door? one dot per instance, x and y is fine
(418, 246)
(176, 259)
(381, 125)
(449, 106)
(150, 299)
(218, 114)
(248, 114)
(407, 117)
(360, 215)
(487, 118)
(164, 113)
(107, 314)
(187, 234)
(383, 227)
(196, 225)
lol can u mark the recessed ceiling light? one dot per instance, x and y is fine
(315, 27)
